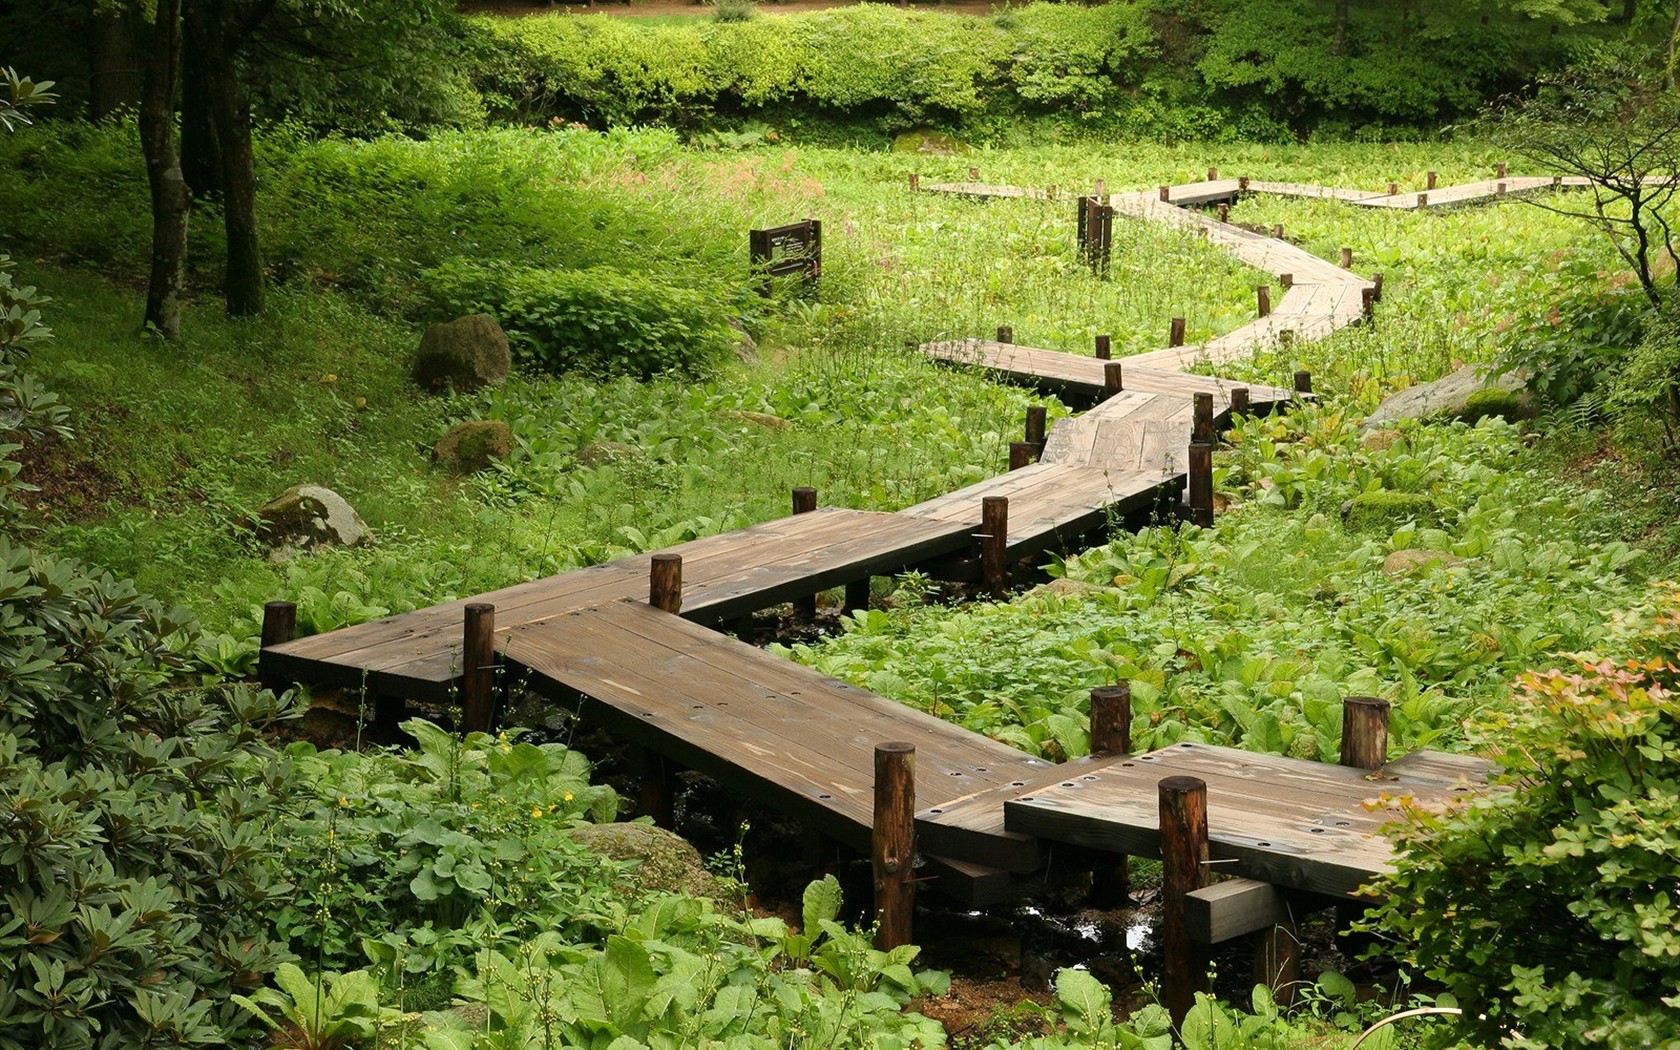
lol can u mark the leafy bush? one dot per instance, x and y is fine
(1587, 835)
(416, 859)
(598, 319)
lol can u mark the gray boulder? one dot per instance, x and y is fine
(1449, 395)
(601, 453)
(308, 516)
(472, 446)
(464, 354)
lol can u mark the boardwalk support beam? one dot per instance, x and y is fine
(1262, 300)
(665, 582)
(1006, 334)
(893, 843)
(1201, 483)
(1036, 417)
(1201, 427)
(478, 668)
(1239, 401)
(804, 502)
(1114, 379)
(1176, 336)
(1021, 454)
(994, 544)
(1184, 856)
(1104, 347)
(1111, 734)
(279, 625)
(1303, 382)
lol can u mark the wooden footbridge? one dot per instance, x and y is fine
(632, 639)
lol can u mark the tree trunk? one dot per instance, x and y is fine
(210, 27)
(1673, 36)
(113, 74)
(1338, 42)
(201, 155)
(171, 201)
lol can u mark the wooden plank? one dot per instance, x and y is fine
(974, 884)
(982, 189)
(1297, 824)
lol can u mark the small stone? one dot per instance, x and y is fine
(1448, 395)
(668, 863)
(1403, 563)
(472, 446)
(1063, 587)
(464, 354)
(759, 419)
(601, 453)
(309, 516)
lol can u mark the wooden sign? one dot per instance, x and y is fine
(786, 250)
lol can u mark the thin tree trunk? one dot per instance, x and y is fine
(114, 79)
(1338, 42)
(1673, 37)
(230, 117)
(201, 155)
(171, 201)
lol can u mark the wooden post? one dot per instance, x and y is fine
(1303, 382)
(1224, 211)
(973, 174)
(1430, 183)
(1006, 334)
(1499, 170)
(1242, 183)
(915, 183)
(1557, 182)
(994, 544)
(1201, 483)
(1202, 417)
(1377, 279)
(1100, 190)
(1114, 379)
(892, 845)
(657, 797)
(1239, 401)
(1166, 193)
(1393, 189)
(1277, 232)
(857, 596)
(1020, 454)
(1262, 300)
(665, 582)
(1287, 280)
(804, 502)
(1213, 174)
(1176, 333)
(1499, 189)
(1035, 427)
(1111, 734)
(1184, 855)
(1277, 959)
(1364, 732)
(1104, 347)
(1347, 258)
(279, 623)
(1111, 719)
(1368, 302)
(478, 668)
(1423, 200)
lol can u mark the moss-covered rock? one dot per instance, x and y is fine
(1406, 562)
(464, 354)
(472, 446)
(308, 516)
(666, 861)
(1385, 510)
(601, 453)
(1507, 405)
(926, 140)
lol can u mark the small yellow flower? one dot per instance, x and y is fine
(568, 796)
(342, 801)
(536, 811)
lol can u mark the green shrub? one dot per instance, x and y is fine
(1068, 55)
(1587, 836)
(596, 319)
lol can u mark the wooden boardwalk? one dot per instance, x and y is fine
(804, 743)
